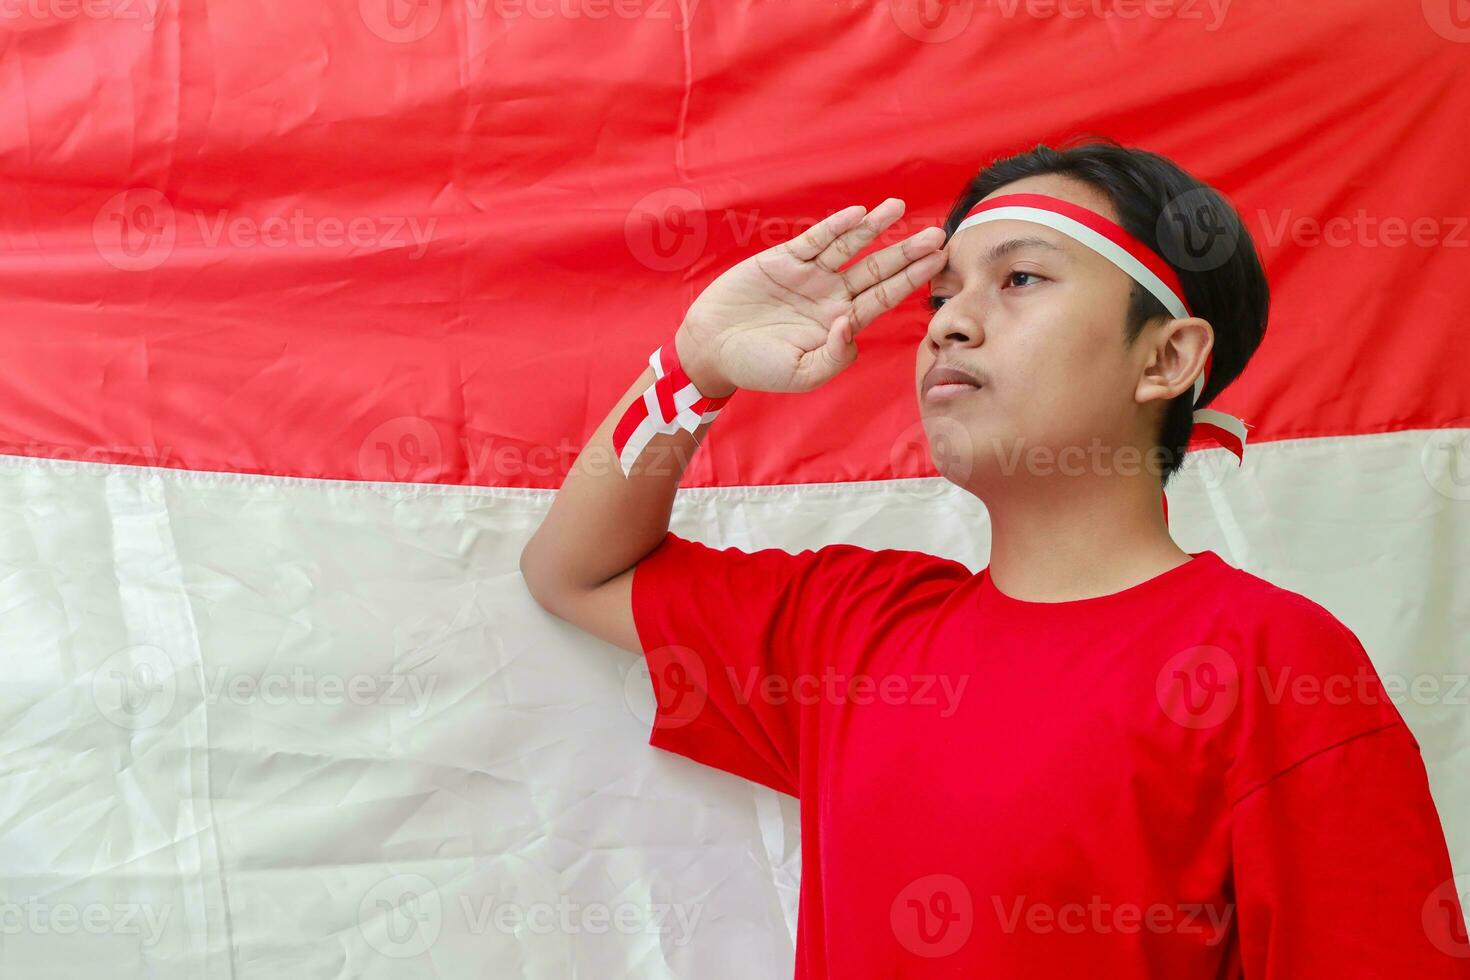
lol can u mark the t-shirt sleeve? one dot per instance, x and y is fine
(1341, 869)
(739, 645)
(1340, 866)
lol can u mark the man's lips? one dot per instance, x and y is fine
(948, 381)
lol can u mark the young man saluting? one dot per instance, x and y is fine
(1120, 787)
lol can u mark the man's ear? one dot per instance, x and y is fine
(1175, 355)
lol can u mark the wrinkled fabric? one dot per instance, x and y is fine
(260, 812)
(306, 309)
(434, 241)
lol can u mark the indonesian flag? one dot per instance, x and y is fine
(307, 309)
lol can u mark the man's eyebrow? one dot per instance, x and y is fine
(1000, 250)
(1004, 248)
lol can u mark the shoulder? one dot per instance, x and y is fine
(1276, 628)
(1306, 682)
(818, 582)
(827, 605)
(831, 561)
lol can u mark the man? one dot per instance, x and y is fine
(1123, 778)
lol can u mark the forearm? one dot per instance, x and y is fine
(781, 320)
(603, 522)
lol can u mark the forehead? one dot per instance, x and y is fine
(974, 244)
(1069, 189)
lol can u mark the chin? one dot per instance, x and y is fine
(952, 445)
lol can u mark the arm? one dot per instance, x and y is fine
(1340, 865)
(782, 320)
(1342, 872)
(626, 517)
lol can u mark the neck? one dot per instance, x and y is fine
(1062, 538)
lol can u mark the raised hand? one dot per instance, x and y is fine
(787, 318)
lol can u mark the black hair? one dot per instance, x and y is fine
(1195, 229)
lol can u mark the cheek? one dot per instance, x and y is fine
(1049, 381)
(923, 360)
(1072, 354)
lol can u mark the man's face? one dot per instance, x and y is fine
(1039, 320)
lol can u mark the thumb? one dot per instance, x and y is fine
(841, 349)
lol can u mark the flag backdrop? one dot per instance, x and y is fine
(306, 309)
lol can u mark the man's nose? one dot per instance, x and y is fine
(953, 325)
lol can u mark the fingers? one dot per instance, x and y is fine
(882, 265)
(826, 362)
(844, 247)
(810, 243)
(885, 295)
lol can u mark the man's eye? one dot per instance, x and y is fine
(935, 302)
(1030, 275)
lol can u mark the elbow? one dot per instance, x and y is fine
(538, 581)
(547, 582)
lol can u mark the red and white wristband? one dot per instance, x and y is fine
(669, 404)
(1143, 264)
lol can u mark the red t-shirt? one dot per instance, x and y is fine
(1200, 776)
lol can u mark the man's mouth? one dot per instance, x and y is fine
(947, 391)
(945, 382)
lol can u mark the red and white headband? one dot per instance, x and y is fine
(1141, 263)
